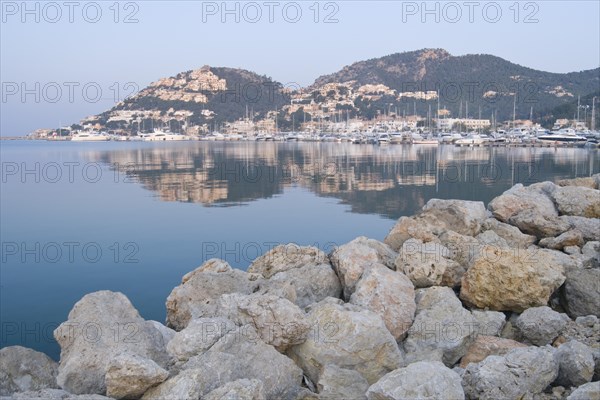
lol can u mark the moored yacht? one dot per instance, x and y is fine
(565, 135)
(90, 137)
(471, 139)
(159, 136)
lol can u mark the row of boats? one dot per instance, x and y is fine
(565, 135)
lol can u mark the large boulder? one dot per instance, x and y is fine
(337, 383)
(461, 216)
(519, 198)
(101, 326)
(348, 336)
(428, 264)
(541, 226)
(306, 269)
(197, 337)
(576, 364)
(416, 227)
(488, 323)
(577, 200)
(199, 290)
(589, 227)
(242, 389)
(512, 279)
(522, 371)
(390, 295)
(485, 346)
(540, 325)
(441, 325)
(589, 391)
(350, 260)
(592, 182)
(240, 354)
(420, 380)
(130, 375)
(511, 234)
(570, 238)
(23, 369)
(581, 292)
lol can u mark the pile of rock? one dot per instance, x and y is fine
(459, 302)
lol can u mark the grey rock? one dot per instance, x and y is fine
(540, 325)
(581, 292)
(541, 226)
(421, 380)
(338, 383)
(535, 198)
(488, 323)
(461, 216)
(198, 336)
(130, 375)
(578, 201)
(585, 330)
(589, 391)
(569, 238)
(242, 389)
(522, 371)
(576, 364)
(511, 234)
(54, 394)
(23, 369)
(441, 323)
(485, 346)
(589, 227)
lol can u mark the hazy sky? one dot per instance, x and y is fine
(77, 45)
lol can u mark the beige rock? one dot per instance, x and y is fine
(569, 238)
(484, 346)
(336, 383)
(130, 375)
(513, 236)
(578, 201)
(242, 389)
(410, 227)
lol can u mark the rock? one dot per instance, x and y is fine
(539, 225)
(589, 227)
(348, 336)
(23, 369)
(592, 182)
(421, 380)
(242, 389)
(572, 250)
(441, 323)
(240, 354)
(589, 391)
(338, 383)
(54, 394)
(578, 201)
(569, 238)
(485, 346)
(278, 321)
(540, 325)
(581, 292)
(576, 364)
(591, 255)
(535, 198)
(488, 323)
(511, 234)
(410, 228)
(350, 260)
(100, 326)
(460, 248)
(461, 216)
(306, 269)
(492, 238)
(426, 264)
(167, 333)
(522, 371)
(199, 289)
(130, 375)
(512, 279)
(198, 336)
(390, 295)
(585, 330)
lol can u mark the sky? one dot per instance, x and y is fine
(61, 61)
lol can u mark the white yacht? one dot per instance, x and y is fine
(471, 139)
(89, 137)
(565, 135)
(384, 139)
(160, 136)
(418, 139)
(396, 137)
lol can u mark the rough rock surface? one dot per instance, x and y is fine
(306, 269)
(100, 326)
(576, 364)
(485, 346)
(578, 201)
(589, 391)
(592, 182)
(242, 389)
(337, 383)
(441, 324)
(53, 394)
(410, 227)
(511, 279)
(130, 375)
(488, 323)
(581, 292)
(348, 336)
(199, 290)
(421, 380)
(589, 227)
(427, 264)
(585, 330)
(511, 234)
(540, 325)
(521, 371)
(390, 295)
(461, 216)
(23, 369)
(197, 337)
(572, 237)
(350, 260)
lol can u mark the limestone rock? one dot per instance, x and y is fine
(390, 295)
(130, 375)
(540, 325)
(581, 292)
(485, 346)
(488, 323)
(535, 198)
(53, 394)
(576, 364)
(421, 380)
(410, 228)
(589, 391)
(511, 279)
(541, 226)
(441, 324)
(511, 234)
(100, 326)
(337, 383)
(242, 389)
(461, 216)
(23, 369)
(197, 337)
(350, 260)
(577, 200)
(348, 336)
(592, 182)
(286, 257)
(589, 227)
(521, 371)
(569, 238)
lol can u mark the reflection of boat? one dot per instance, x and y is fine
(566, 135)
(471, 139)
(89, 137)
(159, 136)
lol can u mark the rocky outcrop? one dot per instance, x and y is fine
(421, 380)
(23, 369)
(348, 336)
(101, 326)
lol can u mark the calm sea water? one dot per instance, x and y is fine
(135, 217)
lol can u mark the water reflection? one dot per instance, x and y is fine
(391, 181)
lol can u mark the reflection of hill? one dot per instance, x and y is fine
(391, 181)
